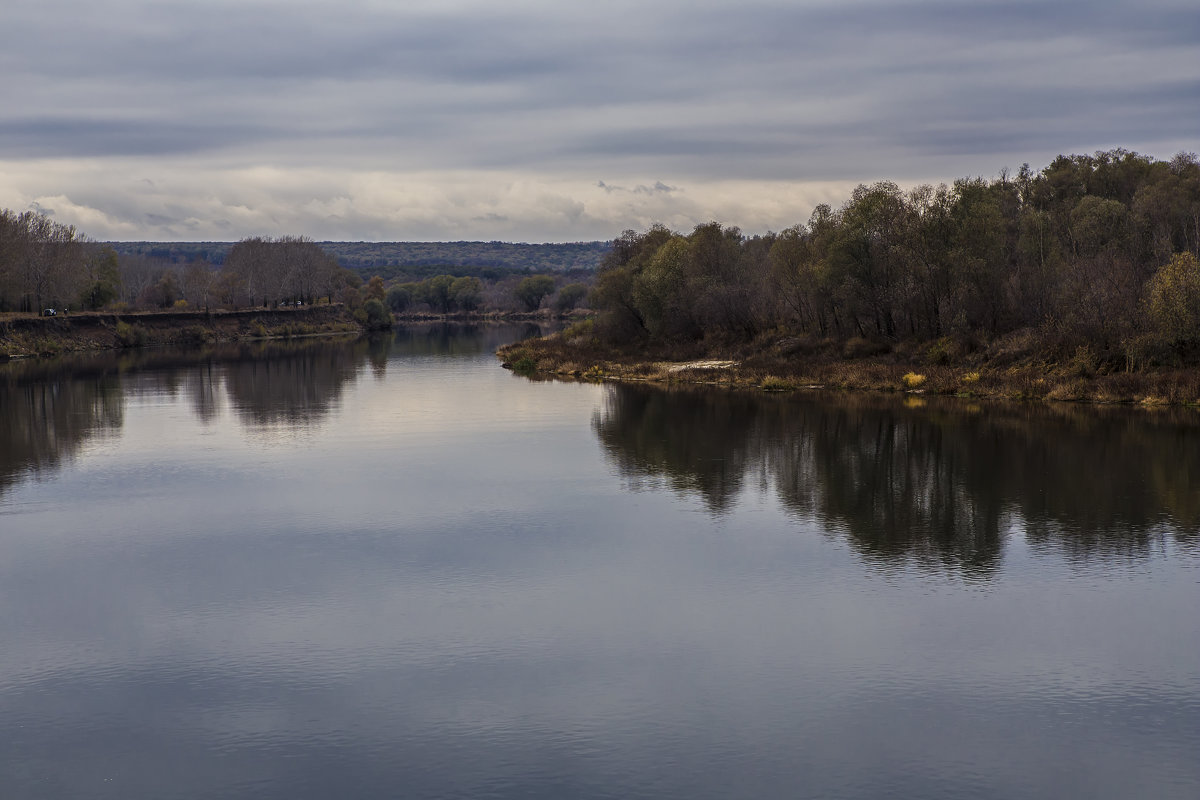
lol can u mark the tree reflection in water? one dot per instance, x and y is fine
(44, 423)
(50, 407)
(939, 482)
(294, 386)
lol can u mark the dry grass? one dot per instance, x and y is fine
(795, 363)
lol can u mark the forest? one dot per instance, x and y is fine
(406, 260)
(45, 264)
(1094, 252)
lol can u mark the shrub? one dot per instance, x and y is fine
(912, 380)
(195, 334)
(569, 297)
(130, 335)
(579, 330)
(773, 383)
(48, 347)
(1083, 363)
(943, 351)
(524, 366)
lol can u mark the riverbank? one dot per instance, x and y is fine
(787, 364)
(27, 336)
(23, 336)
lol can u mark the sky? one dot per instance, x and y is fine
(558, 120)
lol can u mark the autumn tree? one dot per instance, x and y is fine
(199, 283)
(101, 278)
(532, 290)
(1173, 301)
(569, 297)
(375, 290)
(466, 293)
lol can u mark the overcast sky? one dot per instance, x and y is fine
(533, 120)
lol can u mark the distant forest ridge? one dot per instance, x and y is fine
(397, 259)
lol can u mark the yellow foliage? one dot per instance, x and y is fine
(912, 380)
(1173, 299)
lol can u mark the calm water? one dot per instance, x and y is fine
(393, 569)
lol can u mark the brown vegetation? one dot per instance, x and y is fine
(23, 335)
(776, 362)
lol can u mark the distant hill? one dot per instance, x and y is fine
(397, 259)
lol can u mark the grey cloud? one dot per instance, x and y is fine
(81, 135)
(699, 91)
(162, 220)
(658, 188)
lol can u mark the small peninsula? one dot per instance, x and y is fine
(1078, 282)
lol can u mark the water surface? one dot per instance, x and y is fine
(391, 568)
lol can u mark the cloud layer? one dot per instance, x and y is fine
(557, 121)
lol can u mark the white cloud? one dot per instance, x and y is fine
(133, 200)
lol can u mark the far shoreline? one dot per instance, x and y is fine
(28, 335)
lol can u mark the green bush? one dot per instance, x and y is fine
(944, 351)
(569, 297)
(130, 335)
(524, 366)
(579, 330)
(196, 335)
(773, 383)
(376, 315)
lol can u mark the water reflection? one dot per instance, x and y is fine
(44, 423)
(50, 407)
(295, 386)
(451, 339)
(937, 482)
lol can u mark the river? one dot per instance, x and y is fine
(390, 568)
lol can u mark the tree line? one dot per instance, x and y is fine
(44, 263)
(406, 261)
(447, 294)
(1098, 251)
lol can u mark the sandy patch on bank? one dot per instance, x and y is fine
(709, 364)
